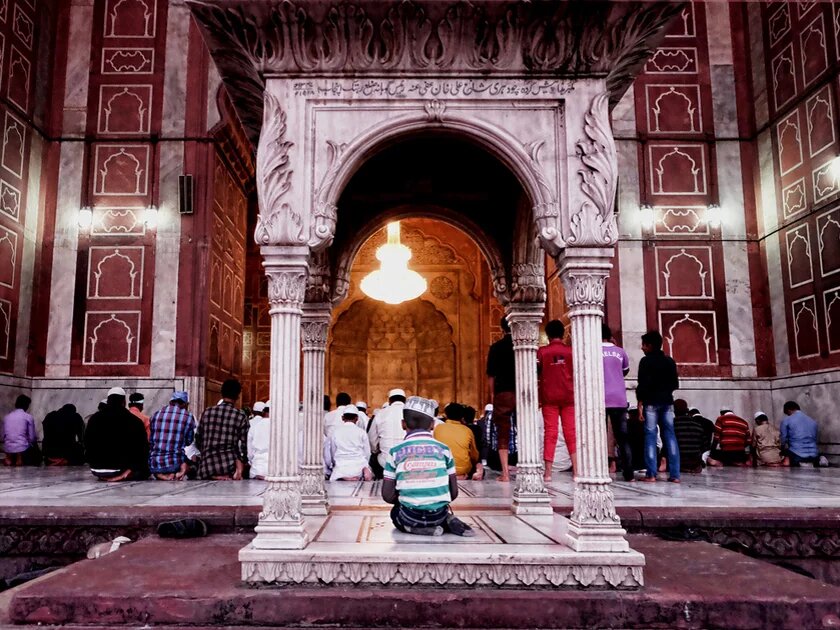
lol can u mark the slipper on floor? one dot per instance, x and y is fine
(183, 528)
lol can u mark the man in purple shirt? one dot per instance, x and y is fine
(18, 432)
(616, 366)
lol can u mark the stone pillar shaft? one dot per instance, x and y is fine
(594, 524)
(314, 328)
(529, 494)
(281, 522)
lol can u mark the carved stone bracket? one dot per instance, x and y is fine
(593, 225)
(278, 223)
(528, 282)
(318, 283)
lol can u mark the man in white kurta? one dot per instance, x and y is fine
(387, 430)
(332, 419)
(258, 439)
(347, 450)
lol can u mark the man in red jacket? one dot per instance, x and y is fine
(557, 394)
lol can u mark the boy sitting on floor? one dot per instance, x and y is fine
(419, 478)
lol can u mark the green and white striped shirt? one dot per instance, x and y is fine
(421, 467)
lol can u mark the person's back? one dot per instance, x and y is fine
(259, 436)
(64, 436)
(349, 450)
(172, 430)
(19, 432)
(694, 434)
(799, 433)
(115, 441)
(460, 440)
(387, 429)
(222, 439)
(766, 442)
(732, 432)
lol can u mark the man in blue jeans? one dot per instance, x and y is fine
(655, 392)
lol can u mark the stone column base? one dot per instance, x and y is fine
(607, 538)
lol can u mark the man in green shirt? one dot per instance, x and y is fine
(419, 478)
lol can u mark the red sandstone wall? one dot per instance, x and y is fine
(684, 268)
(26, 44)
(802, 50)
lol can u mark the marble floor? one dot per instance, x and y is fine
(733, 488)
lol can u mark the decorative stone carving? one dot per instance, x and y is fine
(585, 290)
(319, 279)
(314, 334)
(528, 283)
(286, 289)
(278, 222)
(594, 225)
(594, 503)
(281, 501)
(435, 110)
(325, 216)
(248, 40)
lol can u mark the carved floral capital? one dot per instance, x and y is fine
(584, 289)
(594, 504)
(286, 287)
(281, 501)
(528, 282)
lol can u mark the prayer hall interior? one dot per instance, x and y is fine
(193, 191)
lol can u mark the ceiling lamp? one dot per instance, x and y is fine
(393, 282)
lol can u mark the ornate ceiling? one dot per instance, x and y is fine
(253, 39)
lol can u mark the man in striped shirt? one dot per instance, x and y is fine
(419, 478)
(172, 428)
(732, 436)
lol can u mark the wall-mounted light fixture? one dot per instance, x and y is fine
(646, 216)
(85, 217)
(714, 215)
(150, 217)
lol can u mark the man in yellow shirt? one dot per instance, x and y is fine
(461, 441)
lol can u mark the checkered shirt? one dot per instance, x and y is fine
(222, 438)
(172, 428)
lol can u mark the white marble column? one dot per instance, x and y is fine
(594, 524)
(281, 520)
(529, 494)
(314, 328)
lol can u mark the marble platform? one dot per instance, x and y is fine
(362, 547)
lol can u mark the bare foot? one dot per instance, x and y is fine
(649, 479)
(503, 479)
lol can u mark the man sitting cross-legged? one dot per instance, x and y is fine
(172, 429)
(347, 450)
(419, 478)
(222, 437)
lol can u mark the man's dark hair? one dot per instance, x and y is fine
(505, 325)
(790, 405)
(342, 399)
(393, 399)
(136, 400)
(116, 400)
(231, 388)
(327, 403)
(454, 411)
(416, 420)
(653, 339)
(555, 329)
(761, 419)
(469, 414)
(606, 333)
(22, 402)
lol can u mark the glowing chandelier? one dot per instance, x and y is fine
(393, 282)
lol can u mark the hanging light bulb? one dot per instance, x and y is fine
(393, 282)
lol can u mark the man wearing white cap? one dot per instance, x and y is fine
(387, 428)
(258, 440)
(115, 441)
(256, 411)
(332, 419)
(363, 420)
(347, 451)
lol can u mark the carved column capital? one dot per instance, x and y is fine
(286, 269)
(584, 281)
(278, 222)
(314, 327)
(593, 224)
(528, 282)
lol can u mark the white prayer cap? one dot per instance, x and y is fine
(221, 400)
(116, 391)
(361, 404)
(758, 414)
(422, 405)
(488, 407)
(350, 410)
(396, 392)
(268, 404)
(104, 401)
(259, 406)
(385, 404)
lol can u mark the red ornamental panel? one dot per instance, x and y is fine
(111, 337)
(14, 145)
(824, 180)
(8, 257)
(128, 61)
(690, 337)
(828, 236)
(121, 170)
(5, 329)
(783, 71)
(684, 25)
(789, 137)
(805, 327)
(19, 79)
(677, 169)
(820, 114)
(793, 198)
(130, 18)
(672, 60)
(115, 273)
(778, 24)
(118, 222)
(684, 272)
(674, 109)
(125, 109)
(799, 261)
(814, 52)
(680, 221)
